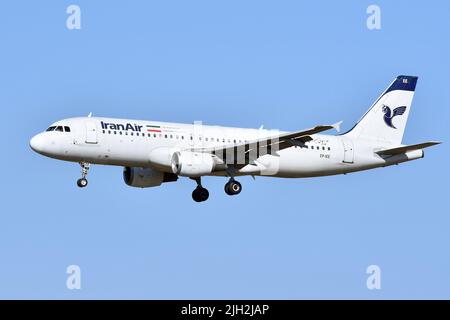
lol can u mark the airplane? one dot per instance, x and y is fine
(153, 153)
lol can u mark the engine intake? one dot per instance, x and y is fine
(146, 177)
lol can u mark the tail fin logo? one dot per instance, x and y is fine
(388, 116)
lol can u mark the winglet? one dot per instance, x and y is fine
(337, 126)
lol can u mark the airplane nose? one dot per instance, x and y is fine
(37, 143)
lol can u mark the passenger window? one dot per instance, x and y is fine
(59, 128)
(66, 129)
(323, 148)
(329, 148)
(131, 133)
(318, 148)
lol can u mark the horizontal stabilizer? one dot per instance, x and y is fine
(404, 149)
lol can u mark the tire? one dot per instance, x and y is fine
(227, 189)
(200, 194)
(82, 183)
(204, 194)
(233, 187)
(195, 196)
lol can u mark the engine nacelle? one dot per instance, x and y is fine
(161, 158)
(146, 177)
(192, 164)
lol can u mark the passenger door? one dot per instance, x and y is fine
(91, 132)
(348, 150)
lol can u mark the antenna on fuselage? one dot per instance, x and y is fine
(90, 114)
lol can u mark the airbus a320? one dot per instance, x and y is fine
(153, 153)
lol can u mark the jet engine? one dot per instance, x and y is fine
(146, 177)
(192, 164)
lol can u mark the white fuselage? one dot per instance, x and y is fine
(150, 144)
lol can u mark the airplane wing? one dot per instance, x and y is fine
(404, 149)
(244, 153)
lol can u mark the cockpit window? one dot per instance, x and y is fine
(59, 128)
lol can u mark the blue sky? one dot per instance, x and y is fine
(284, 64)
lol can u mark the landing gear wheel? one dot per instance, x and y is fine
(200, 194)
(82, 182)
(233, 187)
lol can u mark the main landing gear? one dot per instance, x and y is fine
(82, 182)
(233, 187)
(200, 194)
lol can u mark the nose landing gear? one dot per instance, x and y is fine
(200, 194)
(82, 182)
